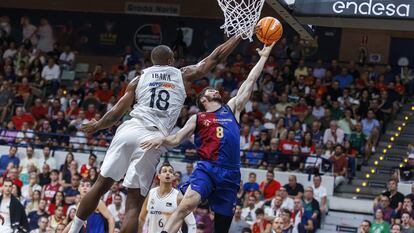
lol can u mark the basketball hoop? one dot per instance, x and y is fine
(240, 16)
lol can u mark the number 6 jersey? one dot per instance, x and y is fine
(160, 95)
(160, 209)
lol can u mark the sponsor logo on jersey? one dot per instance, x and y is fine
(206, 122)
(168, 204)
(160, 84)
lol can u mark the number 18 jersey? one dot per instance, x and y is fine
(160, 95)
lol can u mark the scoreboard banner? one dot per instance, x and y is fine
(396, 9)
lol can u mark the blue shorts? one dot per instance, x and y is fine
(216, 184)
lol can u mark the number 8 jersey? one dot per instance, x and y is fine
(160, 95)
(217, 138)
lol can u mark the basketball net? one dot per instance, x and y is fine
(240, 16)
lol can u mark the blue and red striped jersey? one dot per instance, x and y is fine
(217, 137)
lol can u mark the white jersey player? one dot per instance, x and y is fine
(159, 94)
(161, 202)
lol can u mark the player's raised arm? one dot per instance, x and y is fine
(172, 140)
(201, 69)
(238, 102)
(116, 112)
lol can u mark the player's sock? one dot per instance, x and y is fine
(76, 225)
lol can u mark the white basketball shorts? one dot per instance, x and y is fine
(125, 155)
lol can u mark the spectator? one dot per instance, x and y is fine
(58, 200)
(22, 117)
(67, 58)
(43, 224)
(302, 220)
(29, 162)
(59, 125)
(277, 226)
(340, 165)
(310, 204)
(6, 99)
(50, 190)
(33, 202)
(307, 146)
(396, 198)
(84, 171)
(333, 134)
(407, 207)
(117, 207)
(318, 111)
(369, 123)
(237, 224)
(255, 157)
(365, 227)
(405, 223)
(12, 210)
(186, 176)
(39, 110)
(287, 202)
(246, 138)
(344, 79)
(251, 186)
(261, 225)
(28, 189)
(44, 176)
(293, 188)
(320, 194)
(275, 209)
(5, 160)
(249, 212)
(358, 139)
(347, 123)
(110, 195)
(72, 191)
(48, 159)
(396, 228)
(51, 75)
(13, 175)
(45, 35)
(28, 30)
(379, 225)
(411, 195)
(57, 218)
(317, 135)
(287, 221)
(406, 172)
(269, 186)
(319, 71)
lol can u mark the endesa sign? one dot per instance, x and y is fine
(356, 8)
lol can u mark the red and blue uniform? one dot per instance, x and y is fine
(217, 174)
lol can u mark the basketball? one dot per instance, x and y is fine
(269, 30)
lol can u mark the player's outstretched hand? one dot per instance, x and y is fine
(265, 52)
(152, 144)
(90, 127)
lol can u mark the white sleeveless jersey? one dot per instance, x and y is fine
(160, 96)
(160, 209)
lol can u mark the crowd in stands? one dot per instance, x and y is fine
(393, 212)
(304, 116)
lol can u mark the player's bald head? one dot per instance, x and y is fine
(162, 55)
